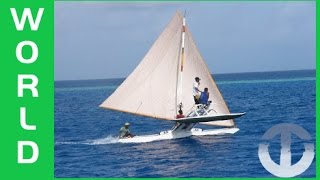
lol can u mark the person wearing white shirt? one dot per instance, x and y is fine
(196, 92)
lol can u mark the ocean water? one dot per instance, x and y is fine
(85, 143)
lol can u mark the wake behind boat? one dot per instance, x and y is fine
(161, 87)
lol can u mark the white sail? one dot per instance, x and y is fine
(152, 88)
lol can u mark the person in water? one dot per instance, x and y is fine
(204, 97)
(180, 115)
(195, 91)
(125, 132)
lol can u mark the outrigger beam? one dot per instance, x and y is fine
(209, 118)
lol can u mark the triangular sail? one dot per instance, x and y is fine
(151, 89)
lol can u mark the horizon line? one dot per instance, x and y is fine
(210, 73)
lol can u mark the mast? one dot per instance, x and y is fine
(182, 60)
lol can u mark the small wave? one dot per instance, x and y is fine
(100, 141)
(67, 143)
(106, 140)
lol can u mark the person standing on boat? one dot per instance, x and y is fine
(196, 92)
(204, 97)
(125, 132)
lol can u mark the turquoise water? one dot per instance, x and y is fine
(85, 144)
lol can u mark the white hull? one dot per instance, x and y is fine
(164, 135)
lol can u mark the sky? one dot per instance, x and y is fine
(101, 40)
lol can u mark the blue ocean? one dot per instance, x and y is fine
(85, 135)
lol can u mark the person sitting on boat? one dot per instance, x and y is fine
(196, 92)
(125, 132)
(204, 97)
(180, 115)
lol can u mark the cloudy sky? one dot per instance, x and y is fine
(98, 40)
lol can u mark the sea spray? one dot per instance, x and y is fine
(107, 140)
(101, 141)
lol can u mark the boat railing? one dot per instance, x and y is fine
(199, 110)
